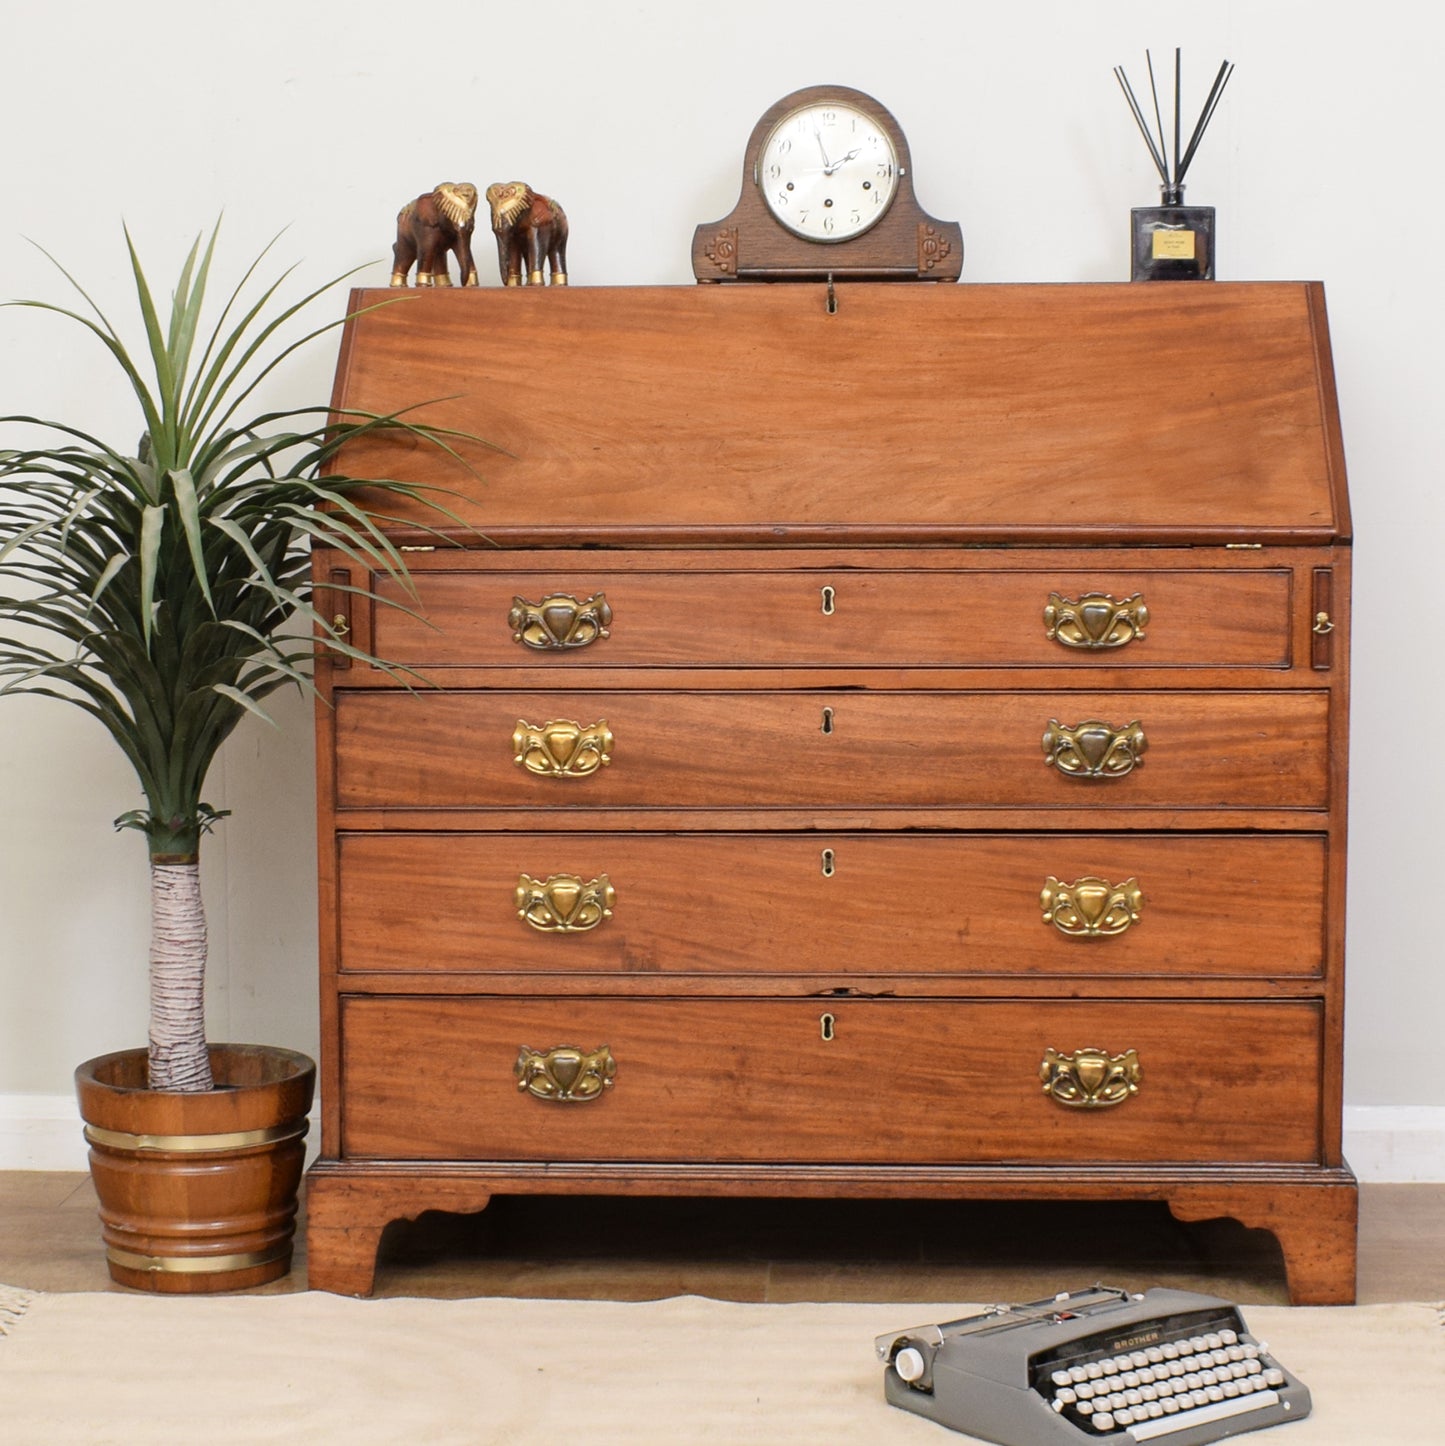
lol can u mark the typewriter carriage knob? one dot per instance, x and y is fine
(909, 1364)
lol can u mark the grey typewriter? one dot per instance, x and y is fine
(1093, 1365)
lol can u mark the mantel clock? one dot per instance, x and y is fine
(827, 192)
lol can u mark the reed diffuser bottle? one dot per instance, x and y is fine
(1172, 241)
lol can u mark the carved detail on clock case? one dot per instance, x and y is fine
(722, 250)
(933, 247)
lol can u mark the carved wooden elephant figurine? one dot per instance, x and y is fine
(528, 228)
(431, 226)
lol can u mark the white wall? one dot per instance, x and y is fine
(325, 117)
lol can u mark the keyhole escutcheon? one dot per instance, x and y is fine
(827, 720)
(826, 1026)
(829, 597)
(827, 863)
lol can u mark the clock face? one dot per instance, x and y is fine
(828, 172)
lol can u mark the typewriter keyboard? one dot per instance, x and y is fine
(1166, 1387)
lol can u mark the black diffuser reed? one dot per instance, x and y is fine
(1172, 241)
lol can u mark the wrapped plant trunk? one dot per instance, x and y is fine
(166, 592)
(178, 1052)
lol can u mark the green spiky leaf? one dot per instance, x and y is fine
(162, 592)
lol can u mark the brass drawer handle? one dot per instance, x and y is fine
(1095, 620)
(1091, 908)
(560, 621)
(561, 748)
(565, 1075)
(564, 903)
(1090, 1079)
(1093, 749)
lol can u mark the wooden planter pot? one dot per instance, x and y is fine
(198, 1191)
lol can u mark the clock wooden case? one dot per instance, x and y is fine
(891, 752)
(827, 190)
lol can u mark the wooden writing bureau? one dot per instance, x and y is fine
(898, 752)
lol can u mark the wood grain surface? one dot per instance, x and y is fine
(701, 750)
(754, 1080)
(1214, 906)
(978, 617)
(959, 412)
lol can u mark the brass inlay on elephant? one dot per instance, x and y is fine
(428, 228)
(529, 229)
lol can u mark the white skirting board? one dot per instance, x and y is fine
(1396, 1144)
(40, 1132)
(1383, 1143)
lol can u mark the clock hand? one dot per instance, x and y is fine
(818, 136)
(841, 161)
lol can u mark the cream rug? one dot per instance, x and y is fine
(315, 1368)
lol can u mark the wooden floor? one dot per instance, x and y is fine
(764, 1250)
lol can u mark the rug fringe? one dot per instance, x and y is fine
(13, 1305)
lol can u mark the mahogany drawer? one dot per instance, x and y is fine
(857, 1081)
(838, 749)
(821, 616)
(774, 904)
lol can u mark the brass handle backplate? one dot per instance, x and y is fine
(1093, 749)
(564, 903)
(562, 748)
(565, 1075)
(1090, 1079)
(560, 621)
(1095, 620)
(1091, 908)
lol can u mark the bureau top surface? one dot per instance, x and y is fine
(1056, 413)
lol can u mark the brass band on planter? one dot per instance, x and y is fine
(1095, 620)
(1091, 908)
(560, 621)
(561, 748)
(195, 1144)
(564, 903)
(195, 1264)
(1090, 1079)
(566, 1074)
(1093, 749)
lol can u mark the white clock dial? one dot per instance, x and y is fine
(828, 172)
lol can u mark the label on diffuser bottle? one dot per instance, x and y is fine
(1171, 245)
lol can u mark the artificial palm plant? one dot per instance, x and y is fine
(167, 593)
